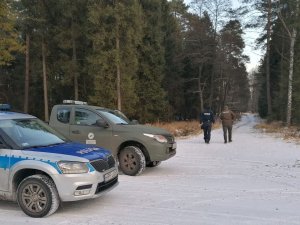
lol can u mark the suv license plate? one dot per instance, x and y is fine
(110, 175)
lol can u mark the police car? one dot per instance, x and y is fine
(39, 168)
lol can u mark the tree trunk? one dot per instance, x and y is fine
(118, 75)
(290, 81)
(225, 95)
(282, 78)
(74, 62)
(199, 88)
(118, 67)
(45, 81)
(291, 70)
(27, 70)
(212, 80)
(269, 100)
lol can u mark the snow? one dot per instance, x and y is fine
(253, 180)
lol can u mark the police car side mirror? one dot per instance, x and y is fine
(102, 123)
(3, 146)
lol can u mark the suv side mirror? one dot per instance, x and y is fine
(134, 122)
(102, 123)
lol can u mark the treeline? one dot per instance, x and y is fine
(152, 59)
(278, 77)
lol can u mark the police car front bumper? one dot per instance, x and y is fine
(74, 187)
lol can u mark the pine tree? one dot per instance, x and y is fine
(115, 34)
(234, 83)
(174, 17)
(199, 48)
(152, 103)
(10, 42)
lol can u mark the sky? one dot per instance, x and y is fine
(249, 37)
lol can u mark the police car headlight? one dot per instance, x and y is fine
(157, 137)
(73, 167)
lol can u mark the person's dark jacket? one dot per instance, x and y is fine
(207, 118)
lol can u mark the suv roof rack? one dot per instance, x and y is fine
(74, 102)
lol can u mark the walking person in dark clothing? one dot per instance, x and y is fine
(227, 117)
(206, 121)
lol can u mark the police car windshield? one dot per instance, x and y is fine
(30, 133)
(114, 117)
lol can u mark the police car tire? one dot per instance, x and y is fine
(132, 161)
(153, 163)
(51, 193)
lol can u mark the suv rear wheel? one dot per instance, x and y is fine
(37, 196)
(132, 161)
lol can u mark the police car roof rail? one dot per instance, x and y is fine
(74, 102)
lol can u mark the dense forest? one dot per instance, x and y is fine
(152, 59)
(277, 79)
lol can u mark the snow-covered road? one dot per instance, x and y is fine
(253, 180)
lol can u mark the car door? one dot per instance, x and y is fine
(85, 129)
(5, 154)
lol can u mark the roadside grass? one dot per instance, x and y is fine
(183, 128)
(279, 129)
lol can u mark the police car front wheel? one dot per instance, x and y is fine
(37, 196)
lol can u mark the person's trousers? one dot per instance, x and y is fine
(227, 129)
(207, 131)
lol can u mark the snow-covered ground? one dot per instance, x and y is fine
(253, 180)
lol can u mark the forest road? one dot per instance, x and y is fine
(253, 181)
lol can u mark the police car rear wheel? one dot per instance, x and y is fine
(37, 196)
(132, 161)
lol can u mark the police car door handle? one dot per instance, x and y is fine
(75, 132)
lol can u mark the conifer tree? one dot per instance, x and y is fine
(152, 103)
(10, 42)
(115, 33)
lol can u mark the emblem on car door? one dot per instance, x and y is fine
(91, 140)
(91, 135)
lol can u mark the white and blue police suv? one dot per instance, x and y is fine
(39, 168)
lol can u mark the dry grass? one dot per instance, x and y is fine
(280, 130)
(182, 128)
(273, 127)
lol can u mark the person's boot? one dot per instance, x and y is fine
(225, 142)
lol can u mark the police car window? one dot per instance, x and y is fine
(86, 117)
(24, 133)
(63, 115)
(2, 145)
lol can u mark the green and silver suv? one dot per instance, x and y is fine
(135, 146)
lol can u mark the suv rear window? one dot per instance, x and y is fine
(63, 115)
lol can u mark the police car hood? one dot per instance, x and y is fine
(88, 152)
